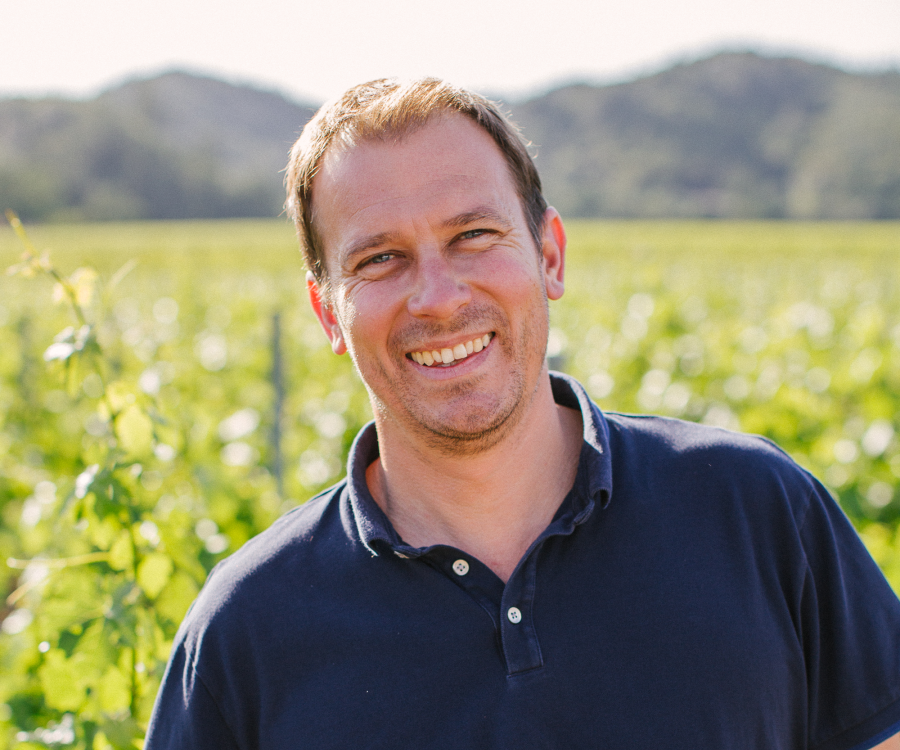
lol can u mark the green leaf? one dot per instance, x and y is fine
(135, 431)
(114, 691)
(62, 681)
(122, 733)
(69, 639)
(121, 554)
(103, 533)
(153, 573)
(119, 395)
(177, 596)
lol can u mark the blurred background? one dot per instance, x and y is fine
(772, 109)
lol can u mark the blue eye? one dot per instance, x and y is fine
(380, 258)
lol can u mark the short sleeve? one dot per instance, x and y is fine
(850, 627)
(185, 716)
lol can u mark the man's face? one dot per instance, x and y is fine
(428, 251)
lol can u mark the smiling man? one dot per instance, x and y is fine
(506, 566)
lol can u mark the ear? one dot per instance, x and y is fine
(553, 253)
(325, 315)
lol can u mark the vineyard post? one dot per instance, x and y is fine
(278, 405)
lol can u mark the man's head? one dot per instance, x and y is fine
(388, 110)
(436, 273)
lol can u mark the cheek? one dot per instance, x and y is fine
(365, 317)
(506, 272)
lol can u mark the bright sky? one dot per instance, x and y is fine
(314, 49)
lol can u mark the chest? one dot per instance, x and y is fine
(621, 651)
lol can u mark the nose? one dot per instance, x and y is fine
(439, 292)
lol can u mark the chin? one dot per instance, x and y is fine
(481, 429)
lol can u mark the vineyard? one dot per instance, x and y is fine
(165, 394)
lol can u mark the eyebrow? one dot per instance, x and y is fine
(460, 220)
(476, 215)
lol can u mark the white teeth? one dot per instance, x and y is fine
(446, 356)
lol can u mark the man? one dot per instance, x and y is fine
(505, 566)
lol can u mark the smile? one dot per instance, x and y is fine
(446, 356)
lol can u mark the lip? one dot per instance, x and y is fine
(458, 365)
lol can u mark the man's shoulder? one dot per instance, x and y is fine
(297, 547)
(674, 438)
(690, 455)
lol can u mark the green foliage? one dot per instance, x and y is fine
(138, 412)
(134, 454)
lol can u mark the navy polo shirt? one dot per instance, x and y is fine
(696, 589)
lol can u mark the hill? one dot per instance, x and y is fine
(736, 135)
(174, 146)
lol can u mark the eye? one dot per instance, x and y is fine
(472, 234)
(378, 259)
(379, 264)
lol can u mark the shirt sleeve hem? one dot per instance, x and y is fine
(865, 735)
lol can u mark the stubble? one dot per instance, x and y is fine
(462, 418)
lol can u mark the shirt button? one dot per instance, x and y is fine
(460, 567)
(514, 615)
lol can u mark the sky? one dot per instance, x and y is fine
(312, 51)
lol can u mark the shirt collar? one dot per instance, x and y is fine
(593, 481)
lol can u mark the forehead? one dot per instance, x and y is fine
(449, 165)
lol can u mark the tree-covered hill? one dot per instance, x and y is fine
(174, 146)
(733, 135)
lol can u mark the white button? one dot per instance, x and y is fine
(514, 615)
(460, 567)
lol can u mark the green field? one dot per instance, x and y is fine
(198, 400)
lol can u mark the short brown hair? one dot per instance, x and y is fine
(388, 108)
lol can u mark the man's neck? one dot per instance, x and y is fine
(493, 504)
